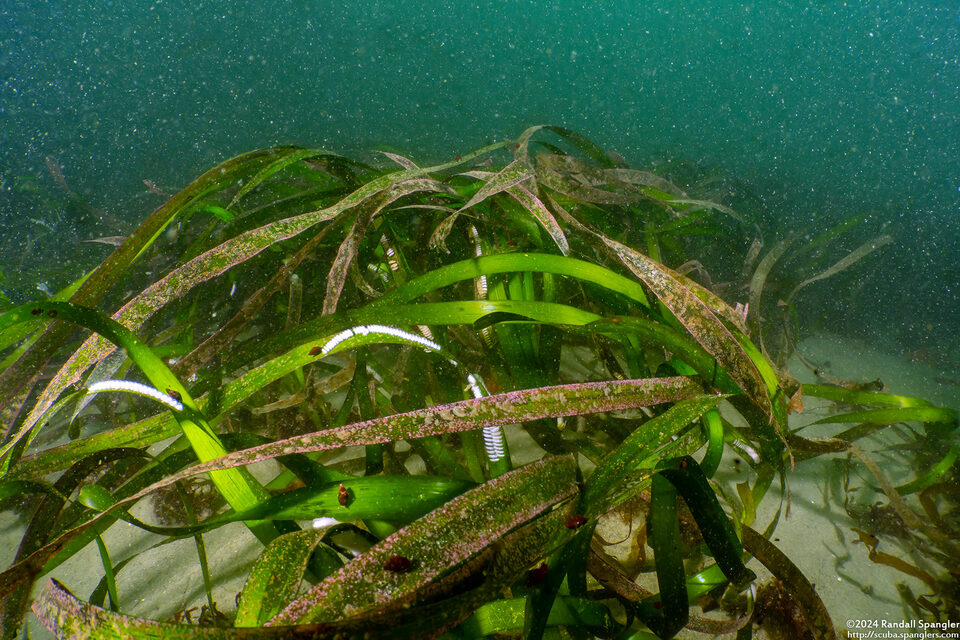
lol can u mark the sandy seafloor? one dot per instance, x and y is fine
(816, 534)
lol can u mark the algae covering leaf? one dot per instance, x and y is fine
(636, 453)
(240, 489)
(699, 320)
(398, 571)
(502, 408)
(275, 577)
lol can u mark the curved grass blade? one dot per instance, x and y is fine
(854, 256)
(506, 263)
(699, 320)
(718, 533)
(457, 532)
(351, 244)
(932, 475)
(275, 577)
(759, 280)
(539, 211)
(110, 270)
(616, 469)
(512, 174)
(66, 616)
(466, 415)
(587, 146)
(894, 415)
(552, 171)
(693, 313)
(850, 396)
(284, 158)
(241, 490)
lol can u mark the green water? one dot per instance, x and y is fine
(814, 110)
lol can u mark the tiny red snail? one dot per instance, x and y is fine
(316, 351)
(536, 576)
(343, 496)
(397, 564)
(36, 311)
(575, 521)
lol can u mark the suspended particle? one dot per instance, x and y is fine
(575, 521)
(536, 576)
(397, 564)
(316, 351)
(343, 496)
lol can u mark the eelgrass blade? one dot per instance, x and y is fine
(110, 270)
(715, 527)
(932, 475)
(693, 313)
(467, 415)
(552, 171)
(539, 211)
(507, 616)
(668, 610)
(240, 489)
(627, 460)
(66, 616)
(851, 258)
(894, 415)
(587, 146)
(365, 214)
(396, 498)
(514, 173)
(851, 396)
(759, 280)
(505, 263)
(275, 577)
(108, 574)
(699, 320)
(283, 159)
(457, 532)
